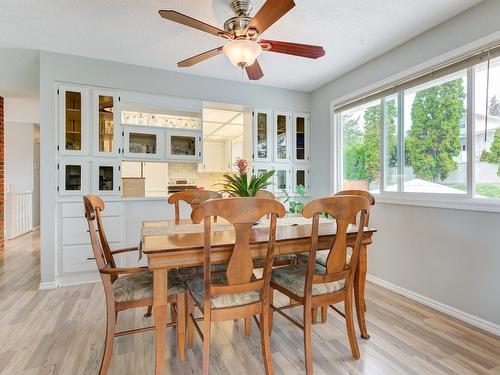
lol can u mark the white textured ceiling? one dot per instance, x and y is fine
(131, 31)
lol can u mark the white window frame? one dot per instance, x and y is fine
(466, 201)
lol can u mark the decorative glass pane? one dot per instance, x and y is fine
(262, 141)
(106, 177)
(281, 137)
(487, 134)
(73, 126)
(73, 177)
(361, 147)
(281, 179)
(140, 143)
(435, 135)
(182, 145)
(300, 177)
(106, 124)
(300, 138)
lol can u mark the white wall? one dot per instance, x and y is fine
(450, 256)
(19, 156)
(65, 68)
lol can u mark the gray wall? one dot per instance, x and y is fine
(74, 69)
(451, 256)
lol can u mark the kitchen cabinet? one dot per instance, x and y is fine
(214, 157)
(143, 143)
(282, 137)
(106, 140)
(263, 132)
(301, 177)
(282, 180)
(184, 145)
(73, 176)
(301, 138)
(106, 177)
(74, 130)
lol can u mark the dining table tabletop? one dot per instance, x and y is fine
(168, 244)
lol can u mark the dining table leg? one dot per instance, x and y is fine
(160, 288)
(359, 291)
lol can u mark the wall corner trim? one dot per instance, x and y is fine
(47, 286)
(436, 305)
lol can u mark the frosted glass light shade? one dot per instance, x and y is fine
(242, 52)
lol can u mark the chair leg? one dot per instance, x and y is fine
(108, 341)
(190, 324)
(248, 325)
(324, 313)
(314, 315)
(351, 333)
(271, 302)
(264, 336)
(206, 341)
(308, 338)
(148, 313)
(181, 326)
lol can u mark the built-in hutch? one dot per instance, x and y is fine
(102, 131)
(281, 143)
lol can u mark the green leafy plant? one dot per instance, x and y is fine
(294, 206)
(239, 185)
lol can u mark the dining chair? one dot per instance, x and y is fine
(322, 255)
(128, 288)
(235, 293)
(312, 285)
(191, 197)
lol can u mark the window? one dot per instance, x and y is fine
(425, 137)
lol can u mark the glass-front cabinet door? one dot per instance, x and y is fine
(106, 177)
(282, 137)
(73, 120)
(106, 120)
(262, 137)
(301, 177)
(73, 176)
(301, 138)
(282, 180)
(259, 169)
(142, 143)
(184, 145)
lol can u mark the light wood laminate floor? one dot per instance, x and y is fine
(61, 331)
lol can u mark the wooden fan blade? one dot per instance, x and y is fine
(297, 49)
(254, 71)
(271, 11)
(172, 15)
(199, 58)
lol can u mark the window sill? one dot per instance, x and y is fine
(455, 203)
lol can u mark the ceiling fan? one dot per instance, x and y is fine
(243, 32)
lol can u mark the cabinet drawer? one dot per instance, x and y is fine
(74, 230)
(76, 209)
(78, 259)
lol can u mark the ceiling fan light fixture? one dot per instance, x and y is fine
(242, 52)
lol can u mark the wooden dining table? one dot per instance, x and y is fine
(168, 245)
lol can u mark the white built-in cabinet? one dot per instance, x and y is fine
(74, 176)
(106, 178)
(282, 143)
(184, 145)
(106, 137)
(140, 142)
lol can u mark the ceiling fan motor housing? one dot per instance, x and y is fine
(238, 23)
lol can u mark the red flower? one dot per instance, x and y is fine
(242, 166)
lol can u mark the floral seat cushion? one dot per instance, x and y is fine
(197, 289)
(293, 278)
(321, 257)
(140, 286)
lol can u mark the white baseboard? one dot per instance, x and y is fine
(458, 314)
(46, 286)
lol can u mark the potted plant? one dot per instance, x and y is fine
(241, 185)
(295, 206)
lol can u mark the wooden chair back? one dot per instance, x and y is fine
(361, 193)
(101, 259)
(192, 197)
(242, 213)
(265, 194)
(344, 209)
